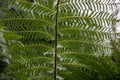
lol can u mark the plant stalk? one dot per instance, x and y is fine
(56, 31)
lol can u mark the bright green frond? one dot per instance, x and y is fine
(59, 39)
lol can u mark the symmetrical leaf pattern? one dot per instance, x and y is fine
(82, 34)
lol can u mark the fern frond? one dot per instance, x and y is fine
(93, 5)
(99, 66)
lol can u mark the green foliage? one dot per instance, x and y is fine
(82, 39)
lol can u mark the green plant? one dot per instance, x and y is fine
(59, 39)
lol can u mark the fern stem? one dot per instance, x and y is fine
(56, 31)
